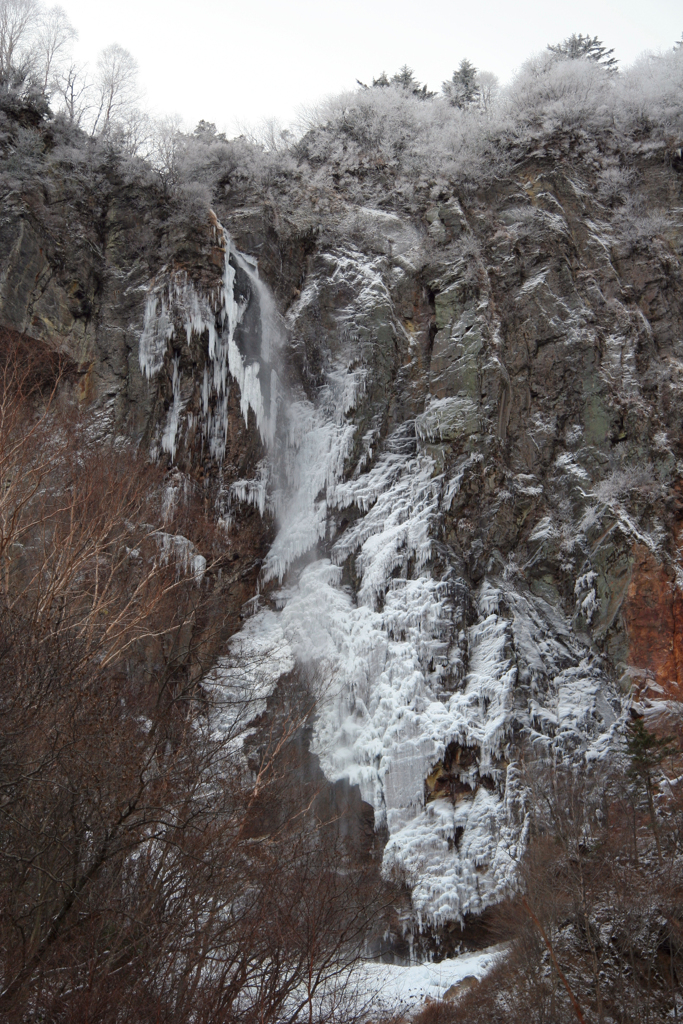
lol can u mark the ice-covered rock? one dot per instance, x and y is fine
(464, 470)
(174, 302)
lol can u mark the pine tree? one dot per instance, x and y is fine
(405, 79)
(585, 48)
(463, 89)
(207, 132)
(678, 45)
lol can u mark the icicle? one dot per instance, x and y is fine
(170, 434)
(175, 298)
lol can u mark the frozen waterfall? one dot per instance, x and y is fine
(174, 298)
(387, 651)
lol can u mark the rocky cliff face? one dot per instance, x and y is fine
(443, 431)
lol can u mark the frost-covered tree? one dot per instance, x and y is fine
(488, 86)
(167, 137)
(462, 89)
(585, 48)
(405, 79)
(116, 87)
(18, 24)
(207, 130)
(54, 36)
(678, 45)
(33, 41)
(72, 91)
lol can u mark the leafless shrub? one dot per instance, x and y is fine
(151, 868)
(624, 481)
(636, 226)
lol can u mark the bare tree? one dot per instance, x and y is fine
(115, 85)
(580, 47)
(166, 145)
(19, 20)
(488, 90)
(594, 927)
(151, 868)
(133, 131)
(54, 36)
(73, 87)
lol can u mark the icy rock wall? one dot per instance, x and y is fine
(410, 664)
(477, 481)
(475, 473)
(175, 304)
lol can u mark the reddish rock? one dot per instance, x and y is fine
(653, 616)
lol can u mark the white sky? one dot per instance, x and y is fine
(240, 61)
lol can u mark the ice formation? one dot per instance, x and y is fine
(396, 991)
(175, 299)
(403, 678)
(243, 679)
(181, 552)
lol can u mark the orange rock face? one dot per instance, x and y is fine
(653, 616)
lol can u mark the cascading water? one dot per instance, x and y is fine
(387, 650)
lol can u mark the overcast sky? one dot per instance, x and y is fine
(240, 61)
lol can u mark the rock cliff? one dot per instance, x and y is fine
(442, 428)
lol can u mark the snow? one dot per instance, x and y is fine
(447, 418)
(170, 434)
(391, 989)
(318, 443)
(255, 490)
(179, 550)
(156, 333)
(401, 498)
(380, 722)
(244, 678)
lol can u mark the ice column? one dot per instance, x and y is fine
(175, 299)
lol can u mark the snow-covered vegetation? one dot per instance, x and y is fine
(552, 104)
(391, 131)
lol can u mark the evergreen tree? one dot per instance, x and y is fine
(405, 79)
(678, 45)
(207, 132)
(585, 48)
(462, 90)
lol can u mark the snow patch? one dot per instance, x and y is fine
(392, 989)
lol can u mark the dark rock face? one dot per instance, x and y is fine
(525, 339)
(590, 326)
(550, 330)
(520, 349)
(72, 277)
